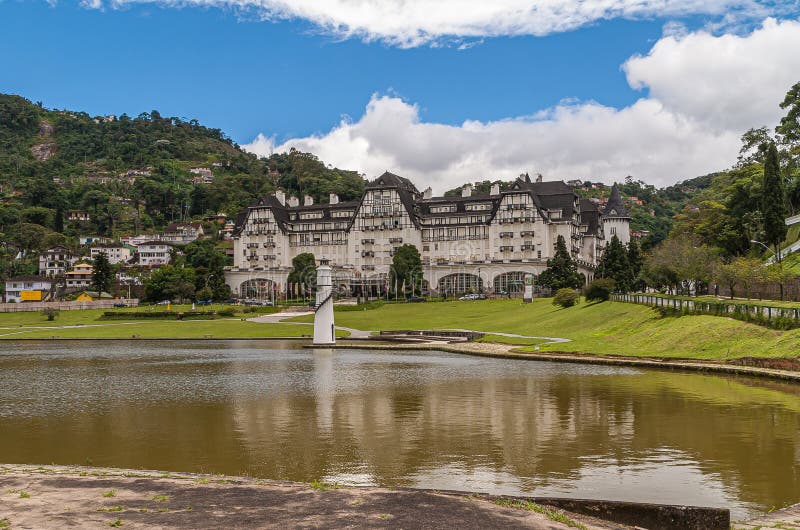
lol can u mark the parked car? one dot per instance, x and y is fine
(415, 299)
(164, 302)
(120, 304)
(204, 302)
(473, 297)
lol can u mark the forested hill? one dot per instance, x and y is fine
(134, 173)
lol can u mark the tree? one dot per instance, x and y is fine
(599, 290)
(102, 275)
(170, 283)
(727, 273)
(566, 297)
(407, 269)
(561, 271)
(773, 201)
(208, 262)
(58, 221)
(636, 262)
(615, 265)
(304, 271)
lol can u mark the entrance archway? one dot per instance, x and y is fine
(460, 283)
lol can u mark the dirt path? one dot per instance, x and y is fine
(63, 497)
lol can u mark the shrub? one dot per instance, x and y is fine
(50, 312)
(599, 290)
(227, 312)
(566, 297)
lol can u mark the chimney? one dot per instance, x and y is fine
(466, 191)
(334, 199)
(539, 177)
(428, 193)
(281, 196)
(308, 200)
(293, 201)
(495, 189)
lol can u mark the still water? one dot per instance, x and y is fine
(421, 419)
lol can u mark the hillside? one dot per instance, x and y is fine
(132, 174)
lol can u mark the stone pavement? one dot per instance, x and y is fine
(63, 497)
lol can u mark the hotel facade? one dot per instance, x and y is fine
(473, 242)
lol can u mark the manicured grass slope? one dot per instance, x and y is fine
(613, 328)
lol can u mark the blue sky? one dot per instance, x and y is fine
(292, 79)
(245, 76)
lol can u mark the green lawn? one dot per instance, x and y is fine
(32, 325)
(613, 328)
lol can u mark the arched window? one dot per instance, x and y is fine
(460, 283)
(510, 282)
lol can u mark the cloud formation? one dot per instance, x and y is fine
(704, 92)
(415, 22)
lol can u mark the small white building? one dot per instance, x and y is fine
(114, 253)
(154, 253)
(37, 286)
(80, 276)
(183, 233)
(55, 261)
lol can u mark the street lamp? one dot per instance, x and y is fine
(776, 254)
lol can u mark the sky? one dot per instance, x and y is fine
(441, 92)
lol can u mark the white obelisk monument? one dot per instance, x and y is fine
(324, 331)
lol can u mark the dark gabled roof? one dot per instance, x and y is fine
(155, 242)
(590, 216)
(614, 206)
(390, 180)
(423, 206)
(30, 278)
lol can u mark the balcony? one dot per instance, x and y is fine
(270, 257)
(368, 267)
(527, 247)
(526, 233)
(395, 240)
(269, 244)
(504, 235)
(506, 249)
(367, 241)
(367, 254)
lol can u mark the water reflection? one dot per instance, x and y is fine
(417, 419)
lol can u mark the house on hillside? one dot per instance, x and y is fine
(202, 175)
(154, 253)
(80, 276)
(115, 253)
(27, 288)
(91, 296)
(78, 216)
(56, 261)
(183, 233)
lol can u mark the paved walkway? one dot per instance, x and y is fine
(282, 316)
(784, 519)
(63, 497)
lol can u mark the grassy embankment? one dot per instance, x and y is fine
(89, 324)
(612, 328)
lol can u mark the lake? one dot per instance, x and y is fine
(403, 418)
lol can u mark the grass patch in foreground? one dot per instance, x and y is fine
(608, 328)
(193, 329)
(550, 513)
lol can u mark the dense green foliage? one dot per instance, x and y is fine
(566, 297)
(170, 283)
(562, 271)
(303, 275)
(102, 275)
(406, 270)
(614, 265)
(599, 290)
(773, 200)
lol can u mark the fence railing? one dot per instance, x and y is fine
(748, 312)
(65, 306)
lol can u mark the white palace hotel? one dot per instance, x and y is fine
(474, 242)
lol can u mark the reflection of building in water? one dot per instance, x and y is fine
(547, 432)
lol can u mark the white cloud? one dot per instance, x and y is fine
(704, 92)
(415, 22)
